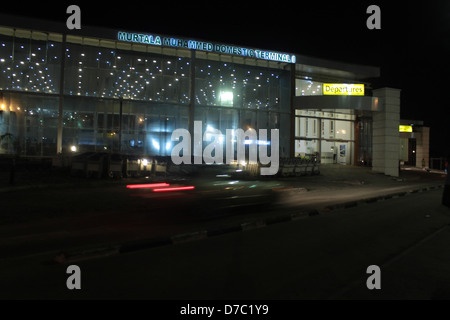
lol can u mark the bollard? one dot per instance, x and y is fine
(446, 195)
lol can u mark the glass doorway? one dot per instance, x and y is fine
(327, 135)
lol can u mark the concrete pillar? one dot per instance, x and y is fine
(423, 146)
(385, 148)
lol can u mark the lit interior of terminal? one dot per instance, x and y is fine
(66, 93)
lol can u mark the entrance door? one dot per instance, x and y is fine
(412, 152)
(343, 153)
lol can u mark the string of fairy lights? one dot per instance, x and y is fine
(34, 66)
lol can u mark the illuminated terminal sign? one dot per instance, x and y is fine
(403, 128)
(156, 40)
(343, 89)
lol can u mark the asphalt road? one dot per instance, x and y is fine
(89, 214)
(320, 257)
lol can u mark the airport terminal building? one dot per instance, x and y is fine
(97, 89)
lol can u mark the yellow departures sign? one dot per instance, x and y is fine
(343, 89)
(405, 128)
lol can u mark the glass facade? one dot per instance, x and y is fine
(136, 92)
(326, 134)
(230, 85)
(364, 131)
(230, 96)
(342, 136)
(305, 87)
(129, 98)
(111, 73)
(29, 65)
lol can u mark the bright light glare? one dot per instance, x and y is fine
(155, 144)
(73, 148)
(263, 142)
(144, 162)
(174, 189)
(144, 186)
(226, 98)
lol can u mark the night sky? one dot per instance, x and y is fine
(412, 48)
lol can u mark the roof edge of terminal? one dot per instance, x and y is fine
(304, 64)
(333, 68)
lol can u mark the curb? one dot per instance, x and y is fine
(94, 183)
(76, 256)
(19, 188)
(396, 195)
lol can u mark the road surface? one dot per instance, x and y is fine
(320, 257)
